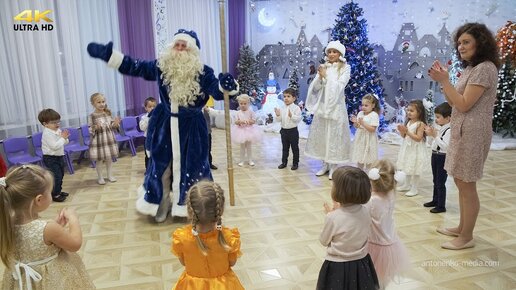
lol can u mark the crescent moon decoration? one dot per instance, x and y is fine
(264, 19)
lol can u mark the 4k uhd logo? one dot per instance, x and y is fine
(33, 17)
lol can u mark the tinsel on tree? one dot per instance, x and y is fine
(293, 81)
(428, 102)
(504, 119)
(306, 116)
(351, 30)
(248, 77)
(454, 68)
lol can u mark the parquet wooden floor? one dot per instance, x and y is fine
(279, 214)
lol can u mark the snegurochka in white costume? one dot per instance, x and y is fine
(329, 138)
(177, 135)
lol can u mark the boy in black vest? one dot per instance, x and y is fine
(439, 146)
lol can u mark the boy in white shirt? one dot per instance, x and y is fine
(53, 141)
(149, 104)
(289, 116)
(439, 146)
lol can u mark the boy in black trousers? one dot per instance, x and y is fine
(289, 116)
(53, 141)
(439, 147)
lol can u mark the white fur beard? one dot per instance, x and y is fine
(181, 72)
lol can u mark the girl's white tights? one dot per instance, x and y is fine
(246, 149)
(109, 168)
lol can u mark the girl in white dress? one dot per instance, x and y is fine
(413, 153)
(365, 146)
(329, 137)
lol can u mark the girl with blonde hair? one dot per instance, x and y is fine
(103, 146)
(38, 253)
(244, 131)
(388, 253)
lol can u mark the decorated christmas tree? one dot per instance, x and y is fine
(454, 68)
(351, 30)
(428, 102)
(248, 78)
(504, 119)
(293, 81)
(307, 117)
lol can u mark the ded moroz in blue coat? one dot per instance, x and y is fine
(192, 164)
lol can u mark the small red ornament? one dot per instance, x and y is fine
(449, 62)
(458, 74)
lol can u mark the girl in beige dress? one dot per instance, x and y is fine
(38, 254)
(472, 102)
(103, 145)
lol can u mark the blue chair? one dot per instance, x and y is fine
(85, 135)
(74, 145)
(130, 127)
(36, 143)
(123, 139)
(17, 151)
(138, 119)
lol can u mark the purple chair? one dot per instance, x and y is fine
(17, 151)
(73, 146)
(36, 143)
(130, 127)
(122, 139)
(85, 135)
(86, 140)
(138, 119)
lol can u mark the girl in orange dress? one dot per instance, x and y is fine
(206, 248)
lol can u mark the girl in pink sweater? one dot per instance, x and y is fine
(347, 264)
(387, 251)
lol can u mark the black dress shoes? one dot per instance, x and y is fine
(282, 165)
(213, 167)
(294, 167)
(59, 198)
(65, 194)
(437, 210)
(430, 204)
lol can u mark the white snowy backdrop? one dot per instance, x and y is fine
(280, 22)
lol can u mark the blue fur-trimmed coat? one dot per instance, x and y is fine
(193, 131)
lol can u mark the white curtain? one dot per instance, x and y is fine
(51, 69)
(202, 16)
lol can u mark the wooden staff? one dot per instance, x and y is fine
(226, 104)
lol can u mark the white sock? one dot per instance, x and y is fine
(99, 170)
(109, 168)
(415, 182)
(249, 151)
(242, 152)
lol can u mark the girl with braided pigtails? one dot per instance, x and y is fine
(207, 249)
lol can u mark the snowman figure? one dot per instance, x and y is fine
(270, 100)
